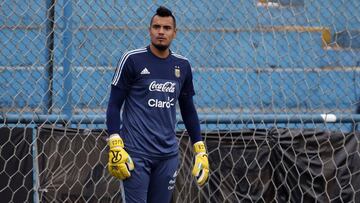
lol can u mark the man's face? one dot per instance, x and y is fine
(162, 32)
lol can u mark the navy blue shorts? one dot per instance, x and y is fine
(153, 180)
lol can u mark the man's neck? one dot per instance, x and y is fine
(159, 53)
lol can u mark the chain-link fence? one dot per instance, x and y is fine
(255, 62)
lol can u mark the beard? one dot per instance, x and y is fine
(161, 47)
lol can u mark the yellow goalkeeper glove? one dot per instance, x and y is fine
(201, 166)
(120, 163)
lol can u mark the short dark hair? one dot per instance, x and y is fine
(163, 12)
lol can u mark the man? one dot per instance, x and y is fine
(149, 81)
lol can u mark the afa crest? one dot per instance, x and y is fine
(177, 71)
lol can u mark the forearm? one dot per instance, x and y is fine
(116, 100)
(190, 118)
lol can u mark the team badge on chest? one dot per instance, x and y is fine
(177, 71)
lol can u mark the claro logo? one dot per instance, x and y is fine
(162, 87)
(161, 104)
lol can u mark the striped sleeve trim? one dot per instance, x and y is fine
(179, 56)
(122, 62)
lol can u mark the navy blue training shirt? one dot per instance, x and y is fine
(152, 85)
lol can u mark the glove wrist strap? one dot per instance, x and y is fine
(199, 147)
(115, 141)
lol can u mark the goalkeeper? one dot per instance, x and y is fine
(144, 151)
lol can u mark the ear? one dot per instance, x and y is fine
(175, 30)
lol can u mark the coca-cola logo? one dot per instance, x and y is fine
(162, 87)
